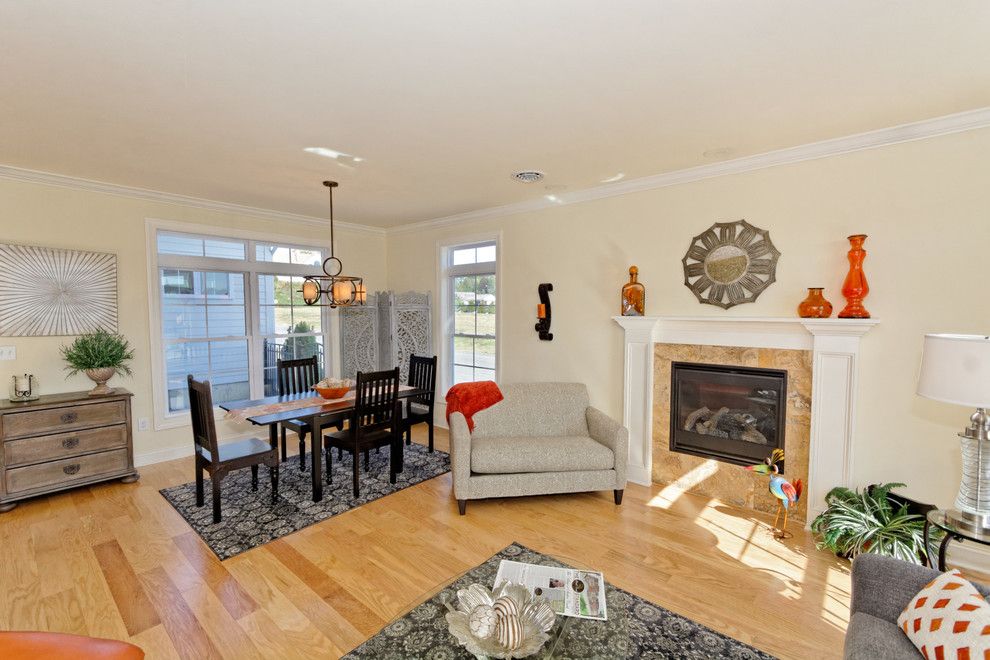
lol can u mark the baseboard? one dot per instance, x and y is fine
(639, 475)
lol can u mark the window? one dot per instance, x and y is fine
(229, 309)
(471, 312)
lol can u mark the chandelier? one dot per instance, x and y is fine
(335, 289)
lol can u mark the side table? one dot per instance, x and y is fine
(941, 519)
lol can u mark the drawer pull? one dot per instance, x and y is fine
(70, 443)
(69, 417)
(71, 469)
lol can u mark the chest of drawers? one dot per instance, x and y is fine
(62, 441)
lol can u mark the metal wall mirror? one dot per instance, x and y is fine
(730, 263)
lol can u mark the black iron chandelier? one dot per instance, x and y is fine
(334, 289)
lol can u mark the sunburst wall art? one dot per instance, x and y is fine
(730, 263)
(47, 292)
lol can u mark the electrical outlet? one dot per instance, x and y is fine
(8, 352)
(143, 424)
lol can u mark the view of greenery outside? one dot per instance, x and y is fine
(300, 347)
(474, 327)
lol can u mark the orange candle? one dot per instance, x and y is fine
(541, 311)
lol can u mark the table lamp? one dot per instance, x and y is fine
(956, 369)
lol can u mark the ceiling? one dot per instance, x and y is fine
(443, 100)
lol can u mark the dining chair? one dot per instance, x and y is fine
(218, 460)
(375, 421)
(298, 377)
(419, 409)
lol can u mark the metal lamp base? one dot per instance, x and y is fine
(975, 524)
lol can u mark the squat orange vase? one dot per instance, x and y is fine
(855, 288)
(815, 306)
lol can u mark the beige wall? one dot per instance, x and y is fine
(925, 205)
(59, 217)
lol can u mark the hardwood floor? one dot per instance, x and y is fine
(116, 560)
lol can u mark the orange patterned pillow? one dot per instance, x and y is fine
(948, 619)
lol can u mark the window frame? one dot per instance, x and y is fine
(446, 272)
(251, 269)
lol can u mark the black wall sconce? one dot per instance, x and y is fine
(543, 312)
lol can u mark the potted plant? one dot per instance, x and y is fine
(100, 355)
(873, 521)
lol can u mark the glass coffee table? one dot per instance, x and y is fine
(421, 630)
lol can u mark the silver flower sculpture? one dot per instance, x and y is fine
(508, 622)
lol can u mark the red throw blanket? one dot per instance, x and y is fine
(469, 398)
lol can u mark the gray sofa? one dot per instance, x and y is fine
(541, 438)
(881, 589)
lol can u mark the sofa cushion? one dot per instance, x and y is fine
(948, 618)
(558, 454)
(535, 409)
(870, 638)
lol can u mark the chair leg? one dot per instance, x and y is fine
(284, 454)
(357, 471)
(199, 484)
(429, 424)
(408, 434)
(273, 471)
(254, 478)
(215, 482)
(367, 460)
(302, 451)
(462, 506)
(340, 453)
(618, 495)
(329, 454)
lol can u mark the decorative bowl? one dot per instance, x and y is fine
(509, 622)
(333, 389)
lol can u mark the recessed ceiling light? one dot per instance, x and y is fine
(333, 153)
(612, 179)
(528, 176)
(720, 152)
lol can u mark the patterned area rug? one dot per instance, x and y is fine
(250, 519)
(636, 628)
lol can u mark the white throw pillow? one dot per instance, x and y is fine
(948, 619)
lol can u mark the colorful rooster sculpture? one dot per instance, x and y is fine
(783, 490)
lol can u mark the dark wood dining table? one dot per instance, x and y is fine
(316, 416)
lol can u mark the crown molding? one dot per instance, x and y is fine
(11, 173)
(920, 130)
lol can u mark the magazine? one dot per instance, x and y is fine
(571, 592)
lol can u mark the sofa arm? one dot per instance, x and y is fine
(460, 454)
(615, 436)
(883, 586)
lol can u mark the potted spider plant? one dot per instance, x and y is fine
(873, 521)
(100, 355)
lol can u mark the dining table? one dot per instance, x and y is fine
(270, 411)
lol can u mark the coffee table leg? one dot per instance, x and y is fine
(317, 444)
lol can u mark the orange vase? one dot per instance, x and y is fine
(815, 306)
(855, 288)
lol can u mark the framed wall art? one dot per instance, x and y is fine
(47, 292)
(730, 263)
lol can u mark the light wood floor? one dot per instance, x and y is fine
(117, 561)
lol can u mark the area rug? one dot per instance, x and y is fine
(636, 627)
(250, 519)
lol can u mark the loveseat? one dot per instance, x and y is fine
(541, 438)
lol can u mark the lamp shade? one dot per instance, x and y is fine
(956, 369)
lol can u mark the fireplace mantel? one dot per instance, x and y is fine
(835, 347)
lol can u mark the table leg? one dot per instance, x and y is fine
(273, 435)
(941, 551)
(316, 441)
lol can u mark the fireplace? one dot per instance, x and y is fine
(729, 413)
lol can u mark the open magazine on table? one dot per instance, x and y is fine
(571, 592)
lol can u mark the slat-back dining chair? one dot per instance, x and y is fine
(376, 421)
(419, 409)
(218, 460)
(297, 377)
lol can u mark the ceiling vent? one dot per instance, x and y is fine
(528, 176)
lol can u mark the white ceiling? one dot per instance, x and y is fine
(217, 98)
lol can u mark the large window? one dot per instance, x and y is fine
(471, 312)
(229, 311)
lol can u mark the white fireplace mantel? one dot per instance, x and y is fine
(835, 348)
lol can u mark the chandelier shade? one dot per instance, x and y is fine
(331, 289)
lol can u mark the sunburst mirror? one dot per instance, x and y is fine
(729, 264)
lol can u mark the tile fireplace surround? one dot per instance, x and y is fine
(829, 346)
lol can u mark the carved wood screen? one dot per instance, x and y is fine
(385, 332)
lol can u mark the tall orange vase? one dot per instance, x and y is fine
(855, 288)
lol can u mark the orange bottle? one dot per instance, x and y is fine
(855, 288)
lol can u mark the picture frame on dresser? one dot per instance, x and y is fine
(63, 441)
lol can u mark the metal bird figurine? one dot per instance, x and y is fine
(786, 492)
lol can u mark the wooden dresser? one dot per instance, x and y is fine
(64, 440)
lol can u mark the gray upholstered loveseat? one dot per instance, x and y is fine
(881, 588)
(541, 438)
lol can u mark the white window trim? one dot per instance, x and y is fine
(163, 419)
(446, 318)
